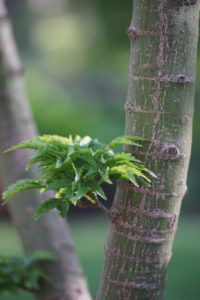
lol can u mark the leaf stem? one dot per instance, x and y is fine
(104, 208)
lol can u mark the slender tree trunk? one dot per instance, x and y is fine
(159, 107)
(22, 21)
(51, 232)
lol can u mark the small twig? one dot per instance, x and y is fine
(103, 207)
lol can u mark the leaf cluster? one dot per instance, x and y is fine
(75, 169)
(23, 273)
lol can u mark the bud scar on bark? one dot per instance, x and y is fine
(170, 152)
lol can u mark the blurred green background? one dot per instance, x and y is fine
(76, 56)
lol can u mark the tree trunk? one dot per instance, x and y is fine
(51, 232)
(22, 21)
(159, 107)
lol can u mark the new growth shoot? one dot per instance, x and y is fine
(75, 168)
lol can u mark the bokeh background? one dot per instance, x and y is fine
(76, 57)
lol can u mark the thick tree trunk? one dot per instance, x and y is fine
(159, 107)
(51, 232)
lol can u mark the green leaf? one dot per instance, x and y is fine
(121, 170)
(132, 178)
(21, 186)
(85, 141)
(56, 185)
(97, 189)
(45, 207)
(38, 156)
(105, 175)
(88, 158)
(34, 143)
(75, 168)
(125, 140)
(63, 207)
(90, 172)
(58, 163)
(55, 140)
(81, 191)
(150, 173)
(136, 171)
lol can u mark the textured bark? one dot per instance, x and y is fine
(159, 107)
(51, 232)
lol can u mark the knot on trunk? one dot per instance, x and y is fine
(131, 32)
(181, 78)
(170, 152)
